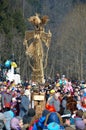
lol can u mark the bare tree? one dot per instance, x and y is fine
(72, 42)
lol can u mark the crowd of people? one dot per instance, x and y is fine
(65, 105)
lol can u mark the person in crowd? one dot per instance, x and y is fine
(2, 125)
(16, 99)
(68, 86)
(6, 98)
(68, 120)
(53, 117)
(26, 83)
(83, 103)
(14, 105)
(79, 105)
(28, 88)
(57, 77)
(24, 104)
(84, 118)
(79, 123)
(17, 123)
(54, 100)
(28, 117)
(0, 99)
(71, 103)
(64, 102)
(34, 121)
(8, 114)
(76, 94)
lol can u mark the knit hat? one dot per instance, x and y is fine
(52, 91)
(53, 126)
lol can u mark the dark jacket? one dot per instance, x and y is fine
(24, 105)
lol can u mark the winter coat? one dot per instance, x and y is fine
(24, 105)
(6, 98)
(55, 103)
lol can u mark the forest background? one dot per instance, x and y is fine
(67, 53)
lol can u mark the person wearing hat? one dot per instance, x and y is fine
(24, 104)
(79, 123)
(49, 94)
(54, 101)
(66, 120)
